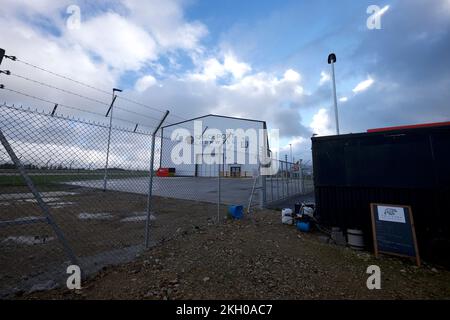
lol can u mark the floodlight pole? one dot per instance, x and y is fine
(150, 183)
(332, 61)
(114, 97)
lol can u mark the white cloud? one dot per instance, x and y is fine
(297, 142)
(212, 68)
(119, 42)
(324, 77)
(265, 84)
(364, 85)
(343, 99)
(144, 83)
(236, 68)
(321, 123)
(27, 43)
(291, 76)
(109, 45)
(125, 41)
(266, 96)
(166, 22)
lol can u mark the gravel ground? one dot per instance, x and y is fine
(257, 258)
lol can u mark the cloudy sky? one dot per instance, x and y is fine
(259, 59)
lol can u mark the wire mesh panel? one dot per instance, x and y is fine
(289, 181)
(181, 201)
(100, 207)
(94, 181)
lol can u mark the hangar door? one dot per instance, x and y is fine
(205, 170)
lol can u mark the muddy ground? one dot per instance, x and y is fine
(257, 258)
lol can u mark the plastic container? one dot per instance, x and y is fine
(355, 239)
(286, 216)
(303, 226)
(236, 212)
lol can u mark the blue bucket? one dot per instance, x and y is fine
(303, 226)
(237, 212)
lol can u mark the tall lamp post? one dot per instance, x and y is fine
(332, 61)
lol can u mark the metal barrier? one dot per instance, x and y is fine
(289, 181)
(77, 192)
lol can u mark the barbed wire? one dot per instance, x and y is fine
(88, 98)
(92, 87)
(83, 96)
(57, 88)
(93, 99)
(63, 117)
(72, 107)
(221, 152)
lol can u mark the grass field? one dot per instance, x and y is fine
(48, 178)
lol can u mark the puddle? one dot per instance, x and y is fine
(94, 216)
(59, 205)
(29, 240)
(44, 199)
(29, 196)
(138, 218)
(32, 218)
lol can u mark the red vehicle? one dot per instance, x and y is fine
(165, 172)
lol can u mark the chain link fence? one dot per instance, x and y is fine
(79, 192)
(99, 211)
(288, 182)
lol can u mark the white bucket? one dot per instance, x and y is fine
(286, 216)
(355, 239)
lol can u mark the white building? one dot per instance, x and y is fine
(213, 144)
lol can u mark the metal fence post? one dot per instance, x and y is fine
(302, 179)
(288, 179)
(283, 179)
(218, 195)
(150, 183)
(109, 140)
(278, 182)
(271, 188)
(263, 197)
(39, 200)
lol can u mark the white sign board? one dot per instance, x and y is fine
(391, 214)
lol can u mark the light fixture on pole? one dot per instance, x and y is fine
(332, 61)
